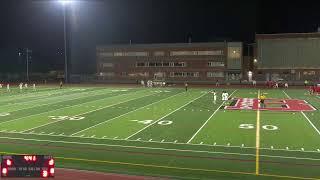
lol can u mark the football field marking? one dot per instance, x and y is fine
(108, 120)
(164, 117)
(195, 134)
(258, 139)
(59, 101)
(86, 112)
(159, 148)
(75, 105)
(310, 122)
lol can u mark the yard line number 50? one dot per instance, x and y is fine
(265, 127)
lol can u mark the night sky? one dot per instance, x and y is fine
(38, 25)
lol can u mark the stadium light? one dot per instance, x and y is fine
(65, 2)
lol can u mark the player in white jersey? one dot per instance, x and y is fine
(20, 86)
(214, 97)
(0, 85)
(8, 87)
(26, 85)
(34, 87)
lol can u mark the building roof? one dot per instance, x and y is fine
(166, 45)
(288, 35)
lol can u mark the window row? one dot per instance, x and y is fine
(161, 64)
(162, 53)
(184, 74)
(171, 74)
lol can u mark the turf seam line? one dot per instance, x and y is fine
(194, 135)
(86, 112)
(163, 117)
(108, 120)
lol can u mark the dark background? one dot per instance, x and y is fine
(38, 25)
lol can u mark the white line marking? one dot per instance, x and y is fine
(175, 141)
(201, 143)
(302, 149)
(162, 140)
(115, 137)
(85, 113)
(81, 135)
(164, 117)
(138, 139)
(104, 137)
(215, 144)
(61, 134)
(51, 133)
(208, 119)
(310, 122)
(154, 148)
(108, 120)
(150, 139)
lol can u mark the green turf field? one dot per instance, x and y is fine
(164, 132)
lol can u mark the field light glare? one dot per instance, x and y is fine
(65, 2)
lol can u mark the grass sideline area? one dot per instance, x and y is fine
(163, 132)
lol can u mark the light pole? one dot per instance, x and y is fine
(64, 4)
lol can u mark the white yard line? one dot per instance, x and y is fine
(62, 100)
(310, 122)
(164, 117)
(154, 148)
(108, 120)
(86, 112)
(209, 119)
(79, 104)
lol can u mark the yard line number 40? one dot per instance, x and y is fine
(265, 127)
(163, 122)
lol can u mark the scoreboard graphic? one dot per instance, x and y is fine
(27, 166)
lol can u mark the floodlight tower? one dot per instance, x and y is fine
(64, 3)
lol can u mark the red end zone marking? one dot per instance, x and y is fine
(271, 105)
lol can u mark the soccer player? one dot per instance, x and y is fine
(34, 87)
(20, 87)
(8, 87)
(186, 86)
(214, 97)
(286, 85)
(262, 99)
(254, 83)
(217, 83)
(142, 83)
(26, 85)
